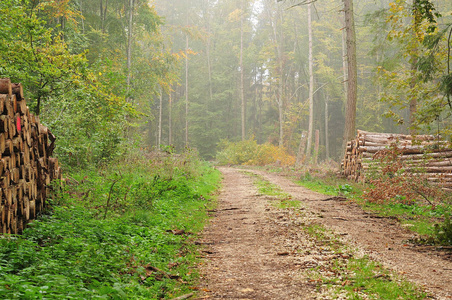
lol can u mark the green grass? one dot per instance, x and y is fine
(85, 249)
(357, 277)
(265, 187)
(371, 278)
(330, 186)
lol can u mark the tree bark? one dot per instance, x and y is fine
(242, 93)
(279, 56)
(344, 59)
(186, 90)
(160, 118)
(209, 63)
(327, 143)
(316, 146)
(413, 62)
(170, 116)
(311, 85)
(129, 47)
(350, 108)
(301, 149)
(6, 86)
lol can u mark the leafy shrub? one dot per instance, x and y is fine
(443, 232)
(249, 152)
(344, 189)
(236, 153)
(268, 153)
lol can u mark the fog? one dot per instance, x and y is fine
(248, 72)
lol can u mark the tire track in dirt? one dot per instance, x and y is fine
(247, 257)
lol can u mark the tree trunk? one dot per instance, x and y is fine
(316, 146)
(129, 48)
(311, 85)
(186, 90)
(170, 116)
(103, 14)
(327, 143)
(344, 59)
(350, 108)
(279, 54)
(301, 150)
(209, 63)
(242, 95)
(160, 118)
(413, 62)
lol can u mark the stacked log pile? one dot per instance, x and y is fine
(425, 155)
(26, 168)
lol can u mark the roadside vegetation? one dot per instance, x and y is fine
(123, 232)
(249, 152)
(394, 197)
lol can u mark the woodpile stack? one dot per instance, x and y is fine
(425, 155)
(26, 168)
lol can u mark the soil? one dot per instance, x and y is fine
(254, 250)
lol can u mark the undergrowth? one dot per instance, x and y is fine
(122, 233)
(248, 152)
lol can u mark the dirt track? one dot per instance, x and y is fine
(255, 251)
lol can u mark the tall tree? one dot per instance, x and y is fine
(129, 46)
(311, 84)
(242, 73)
(350, 108)
(278, 43)
(186, 90)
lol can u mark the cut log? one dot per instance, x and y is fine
(6, 86)
(22, 107)
(18, 90)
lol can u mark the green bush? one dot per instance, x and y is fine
(443, 232)
(249, 152)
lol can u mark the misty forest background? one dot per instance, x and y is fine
(106, 74)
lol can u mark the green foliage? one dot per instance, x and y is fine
(370, 277)
(37, 56)
(425, 10)
(73, 252)
(443, 232)
(72, 62)
(345, 189)
(334, 188)
(249, 152)
(236, 153)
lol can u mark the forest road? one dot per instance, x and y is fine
(255, 250)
